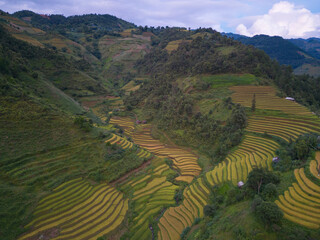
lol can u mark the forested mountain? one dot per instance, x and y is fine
(298, 53)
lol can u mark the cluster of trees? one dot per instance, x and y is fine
(85, 23)
(295, 153)
(172, 109)
(304, 88)
(83, 123)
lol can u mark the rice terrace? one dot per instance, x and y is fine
(115, 131)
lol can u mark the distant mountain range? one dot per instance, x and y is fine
(302, 54)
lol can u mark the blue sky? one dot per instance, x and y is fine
(289, 19)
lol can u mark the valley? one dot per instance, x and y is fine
(113, 131)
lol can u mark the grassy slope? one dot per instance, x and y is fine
(119, 54)
(232, 220)
(37, 37)
(40, 144)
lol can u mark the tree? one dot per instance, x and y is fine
(269, 213)
(259, 177)
(253, 105)
(301, 149)
(269, 192)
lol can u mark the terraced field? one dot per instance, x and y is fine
(126, 123)
(301, 202)
(315, 166)
(62, 163)
(176, 219)
(151, 193)
(184, 161)
(78, 210)
(130, 87)
(125, 144)
(173, 45)
(252, 152)
(285, 128)
(266, 99)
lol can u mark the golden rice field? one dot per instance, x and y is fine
(285, 128)
(127, 32)
(125, 144)
(301, 202)
(173, 45)
(315, 166)
(184, 161)
(151, 193)
(266, 99)
(78, 210)
(176, 219)
(252, 152)
(130, 87)
(120, 141)
(28, 39)
(124, 122)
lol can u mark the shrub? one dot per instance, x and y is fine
(210, 210)
(239, 233)
(83, 123)
(169, 162)
(178, 196)
(235, 195)
(185, 233)
(256, 202)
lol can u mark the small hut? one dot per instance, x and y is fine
(144, 122)
(290, 99)
(138, 122)
(275, 159)
(240, 184)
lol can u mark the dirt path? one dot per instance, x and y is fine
(123, 178)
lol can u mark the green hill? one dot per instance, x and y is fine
(83, 23)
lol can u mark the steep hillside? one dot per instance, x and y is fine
(38, 127)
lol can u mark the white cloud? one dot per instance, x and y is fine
(286, 20)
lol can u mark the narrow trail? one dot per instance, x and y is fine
(127, 175)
